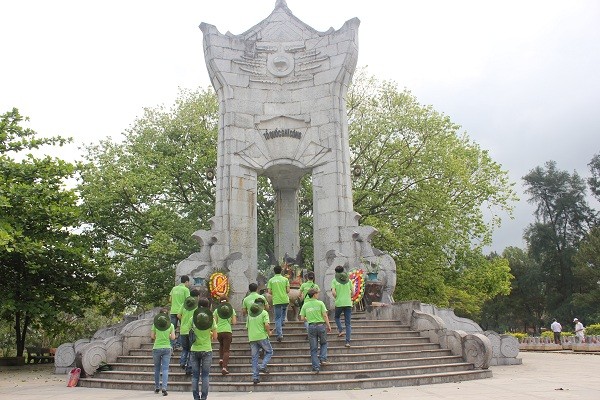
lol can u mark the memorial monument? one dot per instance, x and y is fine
(281, 86)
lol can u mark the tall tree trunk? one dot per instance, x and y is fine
(21, 331)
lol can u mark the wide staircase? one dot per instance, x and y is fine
(384, 353)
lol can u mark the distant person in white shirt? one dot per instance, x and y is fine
(579, 331)
(556, 329)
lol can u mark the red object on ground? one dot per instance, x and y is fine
(74, 377)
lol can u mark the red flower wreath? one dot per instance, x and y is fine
(218, 285)
(357, 278)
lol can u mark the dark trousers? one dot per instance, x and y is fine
(556, 337)
(224, 339)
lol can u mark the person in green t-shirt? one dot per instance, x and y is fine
(205, 330)
(176, 297)
(305, 287)
(259, 331)
(279, 287)
(314, 313)
(224, 335)
(185, 317)
(253, 295)
(162, 332)
(342, 291)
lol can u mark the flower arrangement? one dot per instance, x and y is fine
(357, 279)
(218, 284)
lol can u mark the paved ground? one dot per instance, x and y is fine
(542, 376)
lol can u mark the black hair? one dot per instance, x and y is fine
(185, 278)
(339, 268)
(259, 300)
(253, 287)
(310, 275)
(194, 293)
(203, 302)
(277, 269)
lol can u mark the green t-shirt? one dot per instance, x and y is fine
(186, 321)
(162, 339)
(343, 293)
(223, 325)
(278, 285)
(313, 310)
(249, 300)
(178, 295)
(256, 326)
(304, 288)
(203, 340)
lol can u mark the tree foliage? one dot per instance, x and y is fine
(563, 219)
(44, 264)
(594, 180)
(424, 185)
(145, 196)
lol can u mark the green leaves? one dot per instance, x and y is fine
(424, 185)
(145, 196)
(44, 264)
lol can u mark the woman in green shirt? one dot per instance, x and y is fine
(162, 333)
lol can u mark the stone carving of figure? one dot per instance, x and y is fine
(197, 265)
(238, 280)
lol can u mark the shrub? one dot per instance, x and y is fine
(593, 329)
(518, 335)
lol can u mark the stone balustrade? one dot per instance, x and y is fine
(537, 343)
(105, 345)
(461, 335)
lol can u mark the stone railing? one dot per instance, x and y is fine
(461, 335)
(105, 345)
(536, 343)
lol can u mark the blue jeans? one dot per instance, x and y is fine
(317, 334)
(280, 312)
(255, 349)
(185, 352)
(200, 360)
(161, 358)
(175, 322)
(347, 315)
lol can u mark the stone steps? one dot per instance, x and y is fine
(313, 383)
(305, 357)
(303, 362)
(376, 359)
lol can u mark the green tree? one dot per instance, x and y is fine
(524, 307)
(424, 185)
(563, 219)
(586, 271)
(44, 264)
(594, 180)
(145, 196)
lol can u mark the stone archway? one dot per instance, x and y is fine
(282, 87)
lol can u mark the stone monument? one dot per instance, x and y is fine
(281, 87)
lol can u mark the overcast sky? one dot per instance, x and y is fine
(521, 77)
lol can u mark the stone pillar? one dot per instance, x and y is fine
(287, 223)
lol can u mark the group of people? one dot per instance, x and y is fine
(556, 328)
(199, 327)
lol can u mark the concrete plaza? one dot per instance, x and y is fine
(542, 376)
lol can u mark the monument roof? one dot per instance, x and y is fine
(282, 26)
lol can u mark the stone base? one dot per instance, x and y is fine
(587, 347)
(506, 361)
(542, 347)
